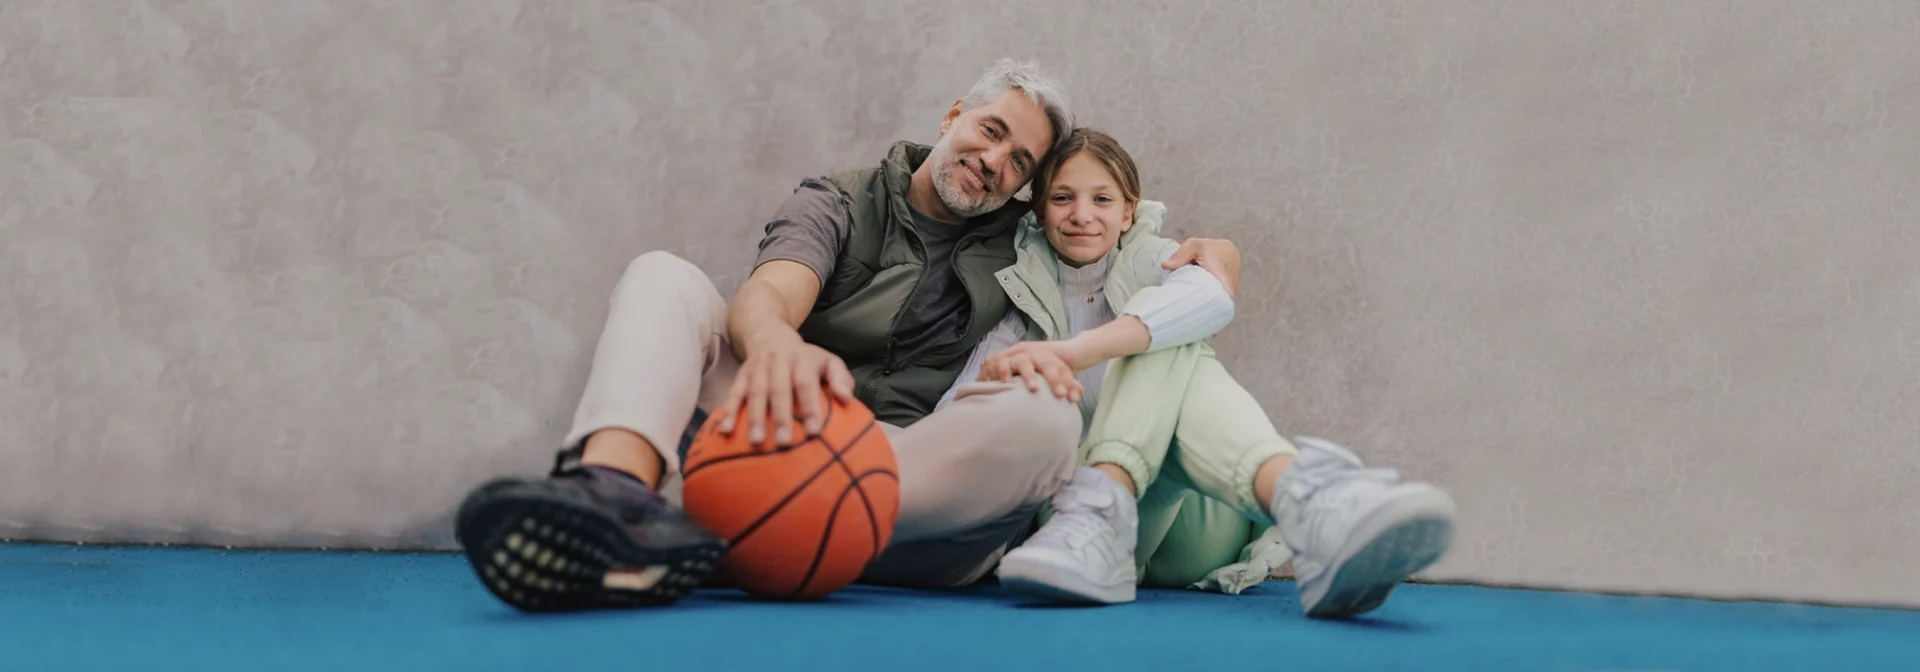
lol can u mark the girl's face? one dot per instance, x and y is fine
(1084, 212)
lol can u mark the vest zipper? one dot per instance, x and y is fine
(893, 340)
(953, 261)
(893, 328)
(886, 369)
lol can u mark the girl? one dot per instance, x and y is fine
(1182, 468)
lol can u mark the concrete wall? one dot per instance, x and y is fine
(1639, 281)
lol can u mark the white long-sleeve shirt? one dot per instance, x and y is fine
(1194, 306)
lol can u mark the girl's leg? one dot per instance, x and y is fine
(1138, 412)
(1118, 510)
(1204, 535)
(1085, 550)
(1226, 447)
(1225, 444)
(1356, 532)
(1205, 543)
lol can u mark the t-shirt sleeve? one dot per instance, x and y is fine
(809, 228)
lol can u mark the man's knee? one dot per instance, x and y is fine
(1033, 433)
(660, 272)
(661, 265)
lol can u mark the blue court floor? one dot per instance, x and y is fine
(109, 608)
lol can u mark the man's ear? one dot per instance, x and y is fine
(953, 114)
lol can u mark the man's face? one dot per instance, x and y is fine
(988, 153)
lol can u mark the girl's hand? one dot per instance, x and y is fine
(1050, 363)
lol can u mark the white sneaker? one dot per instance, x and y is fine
(1356, 532)
(1084, 553)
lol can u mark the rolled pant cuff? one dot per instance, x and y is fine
(1247, 469)
(1125, 456)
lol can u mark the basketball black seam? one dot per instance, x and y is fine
(853, 486)
(736, 541)
(703, 465)
(853, 482)
(878, 547)
(826, 422)
(826, 535)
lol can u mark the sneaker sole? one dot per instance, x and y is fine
(1411, 535)
(1060, 584)
(540, 551)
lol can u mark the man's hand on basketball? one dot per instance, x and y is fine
(777, 377)
(1050, 363)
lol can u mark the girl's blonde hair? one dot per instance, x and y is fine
(1102, 148)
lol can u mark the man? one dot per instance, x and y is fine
(872, 285)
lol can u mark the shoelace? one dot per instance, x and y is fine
(1329, 498)
(1074, 521)
(1327, 476)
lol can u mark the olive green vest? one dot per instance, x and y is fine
(881, 264)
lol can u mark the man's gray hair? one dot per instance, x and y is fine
(1041, 89)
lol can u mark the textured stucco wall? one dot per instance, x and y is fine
(1639, 281)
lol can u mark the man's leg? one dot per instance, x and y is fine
(593, 533)
(972, 475)
(663, 353)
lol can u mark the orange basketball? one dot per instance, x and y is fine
(803, 521)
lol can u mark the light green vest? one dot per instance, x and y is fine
(1033, 281)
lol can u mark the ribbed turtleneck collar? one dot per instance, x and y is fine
(1086, 279)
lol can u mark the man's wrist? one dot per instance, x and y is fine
(769, 338)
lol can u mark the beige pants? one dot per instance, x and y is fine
(972, 475)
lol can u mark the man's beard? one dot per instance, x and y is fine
(955, 197)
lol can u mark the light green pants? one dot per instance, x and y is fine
(1192, 438)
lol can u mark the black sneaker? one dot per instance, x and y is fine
(582, 538)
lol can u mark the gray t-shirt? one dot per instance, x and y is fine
(809, 229)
